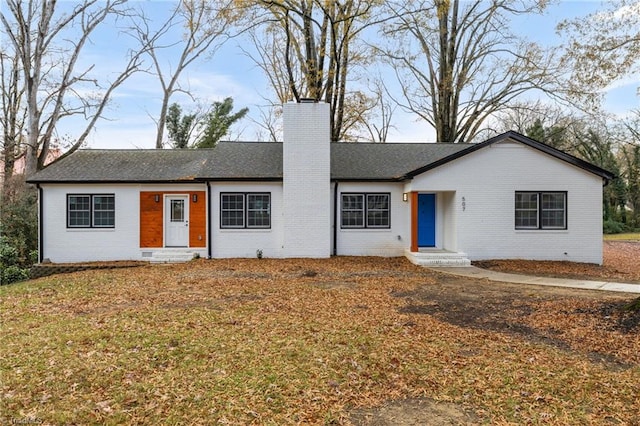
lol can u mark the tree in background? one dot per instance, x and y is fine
(180, 126)
(459, 63)
(206, 26)
(12, 116)
(631, 165)
(47, 40)
(599, 147)
(217, 123)
(601, 48)
(206, 129)
(556, 136)
(309, 49)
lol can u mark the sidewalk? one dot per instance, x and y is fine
(474, 272)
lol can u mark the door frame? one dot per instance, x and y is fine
(166, 217)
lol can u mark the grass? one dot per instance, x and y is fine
(629, 236)
(267, 342)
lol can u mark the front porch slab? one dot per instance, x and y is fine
(170, 255)
(437, 258)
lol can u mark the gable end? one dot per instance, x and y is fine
(517, 137)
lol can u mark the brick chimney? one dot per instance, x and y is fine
(306, 182)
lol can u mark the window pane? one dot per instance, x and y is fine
(352, 219)
(526, 200)
(553, 210)
(177, 211)
(258, 210)
(378, 210)
(526, 210)
(104, 219)
(232, 219)
(526, 219)
(79, 211)
(552, 201)
(103, 211)
(352, 212)
(103, 202)
(79, 219)
(232, 211)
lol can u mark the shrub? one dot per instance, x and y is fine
(11, 269)
(613, 227)
(13, 273)
(18, 230)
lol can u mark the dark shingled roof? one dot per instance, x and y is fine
(385, 161)
(130, 165)
(263, 161)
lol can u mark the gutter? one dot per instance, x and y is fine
(40, 222)
(335, 218)
(209, 214)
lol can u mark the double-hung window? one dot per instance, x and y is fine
(91, 211)
(240, 210)
(365, 210)
(541, 210)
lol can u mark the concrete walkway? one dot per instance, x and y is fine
(475, 272)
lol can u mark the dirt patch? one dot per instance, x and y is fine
(409, 412)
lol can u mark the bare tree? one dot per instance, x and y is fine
(601, 48)
(12, 114)
(308, 49)
(458, 63)
(49, 40)
(205, 27)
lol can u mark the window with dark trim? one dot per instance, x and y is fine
(540, 210)
(365, 210)
(239, 210)
(91, 210)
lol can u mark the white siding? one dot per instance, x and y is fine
(306, 180)
(375, 242)
(62, 245)
(245, 242)
(488, 179)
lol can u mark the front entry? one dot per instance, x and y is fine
(426, 220)
(176, 221)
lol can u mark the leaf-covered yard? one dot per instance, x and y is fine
(344, 340)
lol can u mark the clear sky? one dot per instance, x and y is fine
(231, 73)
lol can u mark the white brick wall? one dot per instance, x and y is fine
(488, 180)
(375, 242)
(245, 242)
(62, 245)
(306, 183)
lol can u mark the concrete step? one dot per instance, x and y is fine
(171, 256)
(438, 258)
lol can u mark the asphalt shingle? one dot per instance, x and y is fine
(238, 161)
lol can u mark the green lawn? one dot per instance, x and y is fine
(629, 236)
(275, 342)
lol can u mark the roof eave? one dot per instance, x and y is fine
(112, 181)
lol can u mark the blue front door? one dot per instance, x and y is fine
(426, 220)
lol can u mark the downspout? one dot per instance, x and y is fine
(40, 222)
(209, 220)
(335, 219)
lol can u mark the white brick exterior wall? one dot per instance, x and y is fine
(375, 242)
(63, 245)
(488, 180)
(306, 184)
(246, 242)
